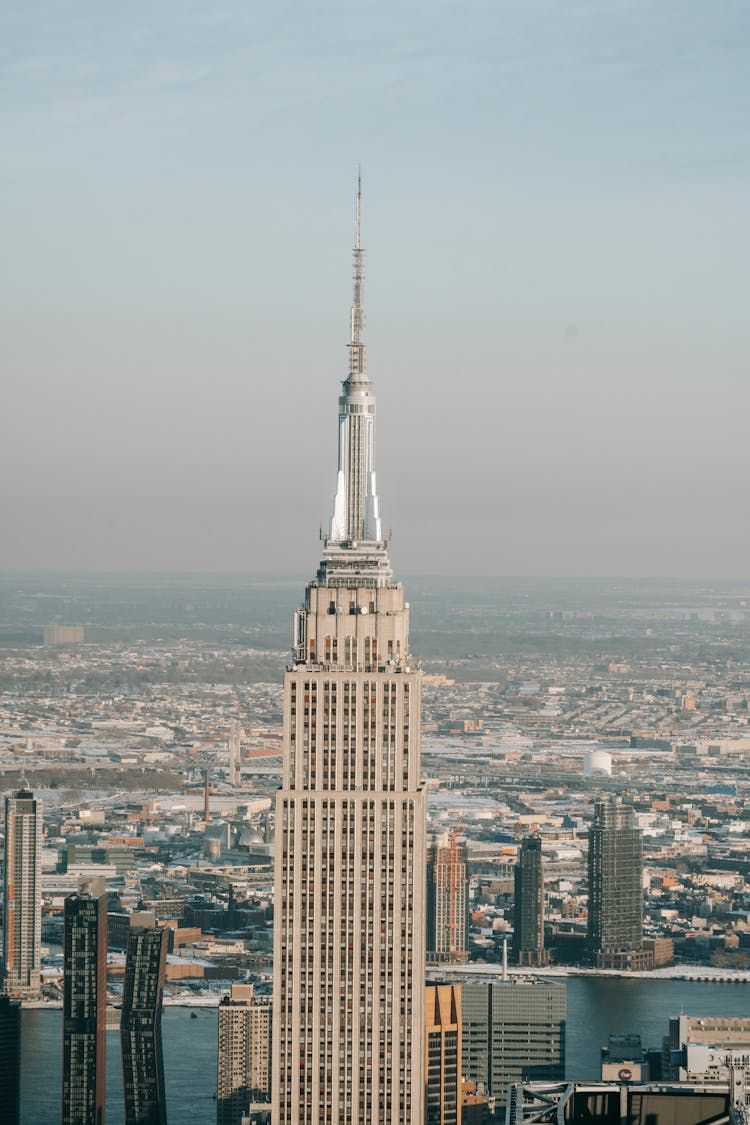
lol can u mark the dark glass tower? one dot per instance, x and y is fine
(10, 1061)
(615, 933)
(85, 1004)
(528, 915)
(140, 1028)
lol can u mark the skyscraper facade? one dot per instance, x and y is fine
(140, 1027)
(513, 1031)
(443, 1054)
(244, 1054)
(84, 1004)
(528, 913)
(615, 864)
(447, 899)
(22, 933)
(350, 815)
(10, 1061)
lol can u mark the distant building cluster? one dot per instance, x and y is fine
(63, 634)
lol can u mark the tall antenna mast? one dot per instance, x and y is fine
(357, 321)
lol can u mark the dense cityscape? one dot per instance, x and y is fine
(375, 694)
(155, 760)
(380, 871)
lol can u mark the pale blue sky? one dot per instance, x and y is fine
(556, 220)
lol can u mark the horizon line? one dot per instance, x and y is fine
(406, 574)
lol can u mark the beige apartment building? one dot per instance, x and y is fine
(22, 933)
(244, 1054)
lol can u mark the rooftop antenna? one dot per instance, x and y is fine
(357, 319)
(505, 957)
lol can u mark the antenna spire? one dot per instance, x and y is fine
(357, 320)
(356, 510)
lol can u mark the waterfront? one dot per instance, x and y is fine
(189, 1066)
(597, 1006)
(600, 1006)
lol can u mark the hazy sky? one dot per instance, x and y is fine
(556, 220)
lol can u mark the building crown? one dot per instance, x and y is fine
(355, 551)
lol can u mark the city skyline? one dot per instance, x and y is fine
(328, 852)
(560, 198)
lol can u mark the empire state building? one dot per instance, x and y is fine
(348, 1042)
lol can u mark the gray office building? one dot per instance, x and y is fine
(615, 930)
(513, 1031)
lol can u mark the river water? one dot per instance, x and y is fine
(597, 1006)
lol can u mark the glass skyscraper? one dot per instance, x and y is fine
(84, 1004)
(10, 1061)
(140, 1027)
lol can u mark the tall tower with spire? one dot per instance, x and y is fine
(348, 1043)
